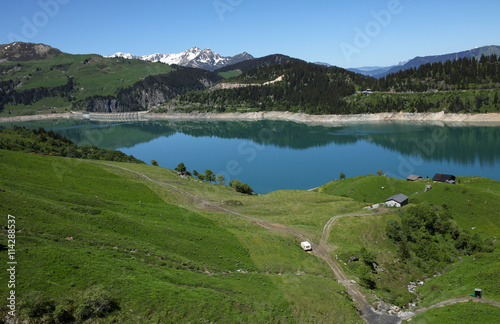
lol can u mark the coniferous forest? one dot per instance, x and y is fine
(464, 85)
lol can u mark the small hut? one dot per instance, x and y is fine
(447, 178)
(413, 177)
(398, 200)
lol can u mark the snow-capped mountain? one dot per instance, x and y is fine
(193, 57)
(124, 55)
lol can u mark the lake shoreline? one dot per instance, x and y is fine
(333, 119)
(489, 119)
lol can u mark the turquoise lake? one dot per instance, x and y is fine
(272, 155)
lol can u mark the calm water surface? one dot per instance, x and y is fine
(271, 155)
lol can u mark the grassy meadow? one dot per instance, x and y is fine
(84, 227)
(230, 74)
(473, 204)
(459, 313)
(472, 201)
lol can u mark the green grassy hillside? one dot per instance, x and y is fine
(473, 204)
(472, 201)
(459, 313)
(97, 75)
(93, 74)
(39, 141)
(101, 231)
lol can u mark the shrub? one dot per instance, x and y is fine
(35, 304)
(61, 315)
(393, 229)
(95, 302)
(414, 201)
(366, 277)
(180, 167)
(241, 187)
(245, 189)
(431, 239)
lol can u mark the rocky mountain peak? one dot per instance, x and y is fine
(193, 57)
(20, 51)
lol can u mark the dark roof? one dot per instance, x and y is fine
(443, 177)
(400, 198)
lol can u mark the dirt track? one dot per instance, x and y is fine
(320, 250)
(457, 301)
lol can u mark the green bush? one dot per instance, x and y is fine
(61, 315)
(432, 239)
(241, 187)
(36, 305)
(95, 302)
(366, 276)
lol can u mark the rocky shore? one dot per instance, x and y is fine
(492, 119)
(334, 119)
(35, 117)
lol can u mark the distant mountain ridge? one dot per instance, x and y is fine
(418, 61)
(381, 71)
(194, 57)
(372, 70)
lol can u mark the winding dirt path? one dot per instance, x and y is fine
(371, 315)
(364, 308)
(455, 301)
(366, 311)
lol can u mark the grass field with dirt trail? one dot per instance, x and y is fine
(149, 246)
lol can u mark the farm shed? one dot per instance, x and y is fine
(448, 178)
(398, 200)
(413, 177)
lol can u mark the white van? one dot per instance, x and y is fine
(306, 246)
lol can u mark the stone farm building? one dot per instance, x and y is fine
(398, 200)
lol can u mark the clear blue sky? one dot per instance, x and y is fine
(339, 32)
